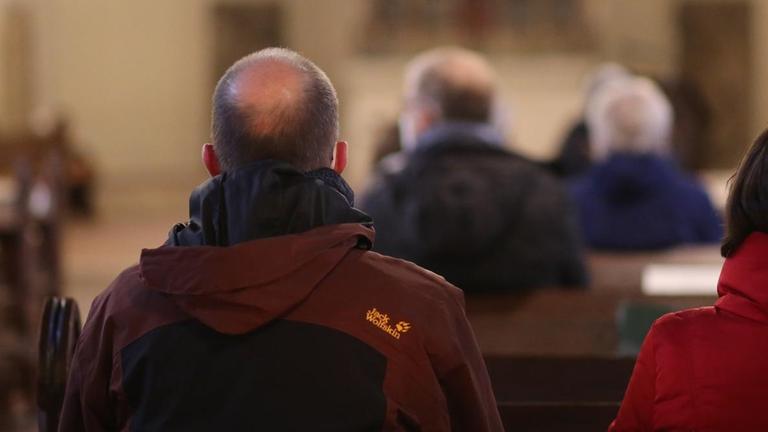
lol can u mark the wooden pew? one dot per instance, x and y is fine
(542, 393)
(622, 272)
(551, 353)
(554, 322)
(29, 245)
(15, 250)
(559, 379)
(557, 416)
(59, 332)
(76, 177)
(16, 383)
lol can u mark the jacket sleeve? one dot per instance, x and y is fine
(464, 377)
(636, 412)
(87, 403)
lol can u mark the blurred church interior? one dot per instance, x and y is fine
(104, 106)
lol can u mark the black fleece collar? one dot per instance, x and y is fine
(266, 199)
(332, 179)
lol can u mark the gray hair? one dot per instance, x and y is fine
(300, 130)
(602, 75)
(629, 115)
(457, 83)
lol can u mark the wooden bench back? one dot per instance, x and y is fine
(557, 417)
(559, 379)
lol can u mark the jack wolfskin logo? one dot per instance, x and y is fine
(381, 320)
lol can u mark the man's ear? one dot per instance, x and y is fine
(210, 160)
(426, 119)
(340, 156)
(414, 122)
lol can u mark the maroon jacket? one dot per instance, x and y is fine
(706, 369)
(301, 331)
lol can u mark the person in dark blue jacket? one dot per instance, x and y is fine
(635, 197)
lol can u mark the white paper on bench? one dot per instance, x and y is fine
(681, 279)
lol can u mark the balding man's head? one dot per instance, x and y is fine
(274, 104)
(453, 84)
(460, 83)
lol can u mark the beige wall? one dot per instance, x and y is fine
(643, 34)
(640, 34)
(541, 96)
(131, 75)
(134, 75)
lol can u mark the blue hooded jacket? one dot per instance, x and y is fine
(643, 202)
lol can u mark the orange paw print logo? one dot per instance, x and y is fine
(381, 320)
(403, 327)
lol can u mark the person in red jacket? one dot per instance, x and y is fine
(707, 368)
(268, 310)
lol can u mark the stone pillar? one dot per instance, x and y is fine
(16, 65)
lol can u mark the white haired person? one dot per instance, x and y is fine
(574, 158)
(635, 197)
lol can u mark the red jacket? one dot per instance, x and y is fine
(268, 311)
(350, 308)
(706, 369)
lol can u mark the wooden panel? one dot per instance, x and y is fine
(716, 56)
(506, 26)
(548, 322)
(556, 322)
(617, 272)
(525, 417)
(559, 379)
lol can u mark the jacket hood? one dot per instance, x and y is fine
(239, 288)
(625, 176)
(743, 285)
(258, 242)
